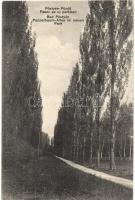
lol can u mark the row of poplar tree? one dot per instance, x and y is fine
(94, 122)
(21, 105)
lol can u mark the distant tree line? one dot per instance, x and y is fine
(47, 144)
(21, 103)
(94, 121)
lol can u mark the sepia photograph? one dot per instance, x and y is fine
(67, 100)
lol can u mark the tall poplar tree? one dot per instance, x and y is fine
(21, 89)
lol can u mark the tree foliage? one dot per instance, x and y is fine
(21, 88)
(90, 125)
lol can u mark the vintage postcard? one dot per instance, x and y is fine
(67, 100)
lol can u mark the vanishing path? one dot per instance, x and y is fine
(121, 181)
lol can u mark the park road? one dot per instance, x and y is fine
(118, 180)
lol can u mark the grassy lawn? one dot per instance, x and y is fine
(48, 178)
(124, 168)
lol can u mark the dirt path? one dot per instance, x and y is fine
(121, 181)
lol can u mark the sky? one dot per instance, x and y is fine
(57, 47)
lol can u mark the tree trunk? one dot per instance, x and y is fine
(113, 135)
(130, 147)
(98, 158)
(112, 149)
(130, 150)
(120, 150)
(84, 140)
(81, 151)
(101, 154)
(98, 134)
(63, 152)
(120, 154)
(73, 149)
(74, 153)
(77, 149)
(98, 150)
(113, 76)
(124, 149)
(91, 149)
(112, 159)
